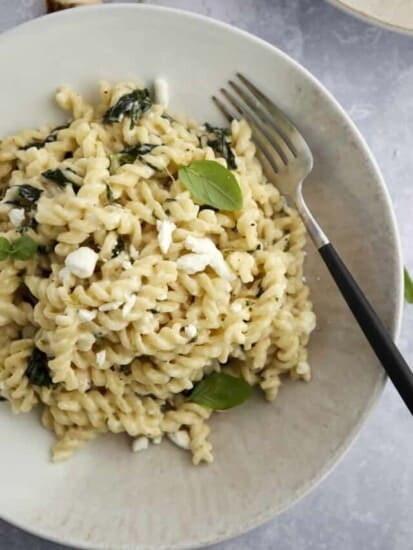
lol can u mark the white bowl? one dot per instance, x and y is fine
(396, 15)
(267, 456)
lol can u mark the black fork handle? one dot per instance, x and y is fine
(369, 322)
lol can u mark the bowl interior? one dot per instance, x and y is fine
(267, 456)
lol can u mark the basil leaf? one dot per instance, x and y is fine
(134, 105)
(408, 287)
(23, 248)
(220, 391)
(60, 177)
(37, 370)
(219, 141)
(5, 248)
(211, 183)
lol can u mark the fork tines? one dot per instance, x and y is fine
(275, 136)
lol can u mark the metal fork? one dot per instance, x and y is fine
(287, 160)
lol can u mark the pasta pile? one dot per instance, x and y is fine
(121, 349)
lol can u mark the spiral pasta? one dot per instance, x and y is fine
(115, 343)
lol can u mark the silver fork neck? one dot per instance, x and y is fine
(316, 233)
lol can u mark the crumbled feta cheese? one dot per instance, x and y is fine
(157, 440)
(133, 252)
(126, 264)
(190, 331)
(161, 90)
(64, 275)
(82, 262)
(180, 438)
(192, 263)
(101, 358)
(16, 216)
(216, 259)
(86, 315)
(140, 443)
(236, 307)
(110, 306)
(127, 308)
(165, 229)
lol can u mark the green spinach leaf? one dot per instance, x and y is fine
(219, 141)
(61, 177)
(37, 370)
(49, 139)
(119, 247)
(211, 183)
(109, 193)
(130, 154)
(220, 391)
(133, 105)
(26, 196)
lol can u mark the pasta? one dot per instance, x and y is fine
(117, 316)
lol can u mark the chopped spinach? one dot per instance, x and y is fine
(219, 141)
(133, 105)
(30, 223)
(46, 248)
(119, 247)
(37, 370)
(61, 177)
(49, 139)
(260, 291)
(27, 295)
(130, 154)
(26, 196)
(109, 193)
(2, 398)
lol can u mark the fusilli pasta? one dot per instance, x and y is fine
(119, 348)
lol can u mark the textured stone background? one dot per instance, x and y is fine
(367, 502)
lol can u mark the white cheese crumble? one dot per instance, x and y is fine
(82, 262)
(101, 358)
(236, 307)
(126, 264)
(161, 90)
(64, 275)
(165, 229)
(192, 263)
(180, 438)
(16, 216)
(133, 252)
(110, 306)
(86, 315)
(140, 443)
(190, 331)
(157, 440)
(130, 302)
(215, 258)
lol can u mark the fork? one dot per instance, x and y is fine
(287, 158)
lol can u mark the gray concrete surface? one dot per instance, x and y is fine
(367, 502)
